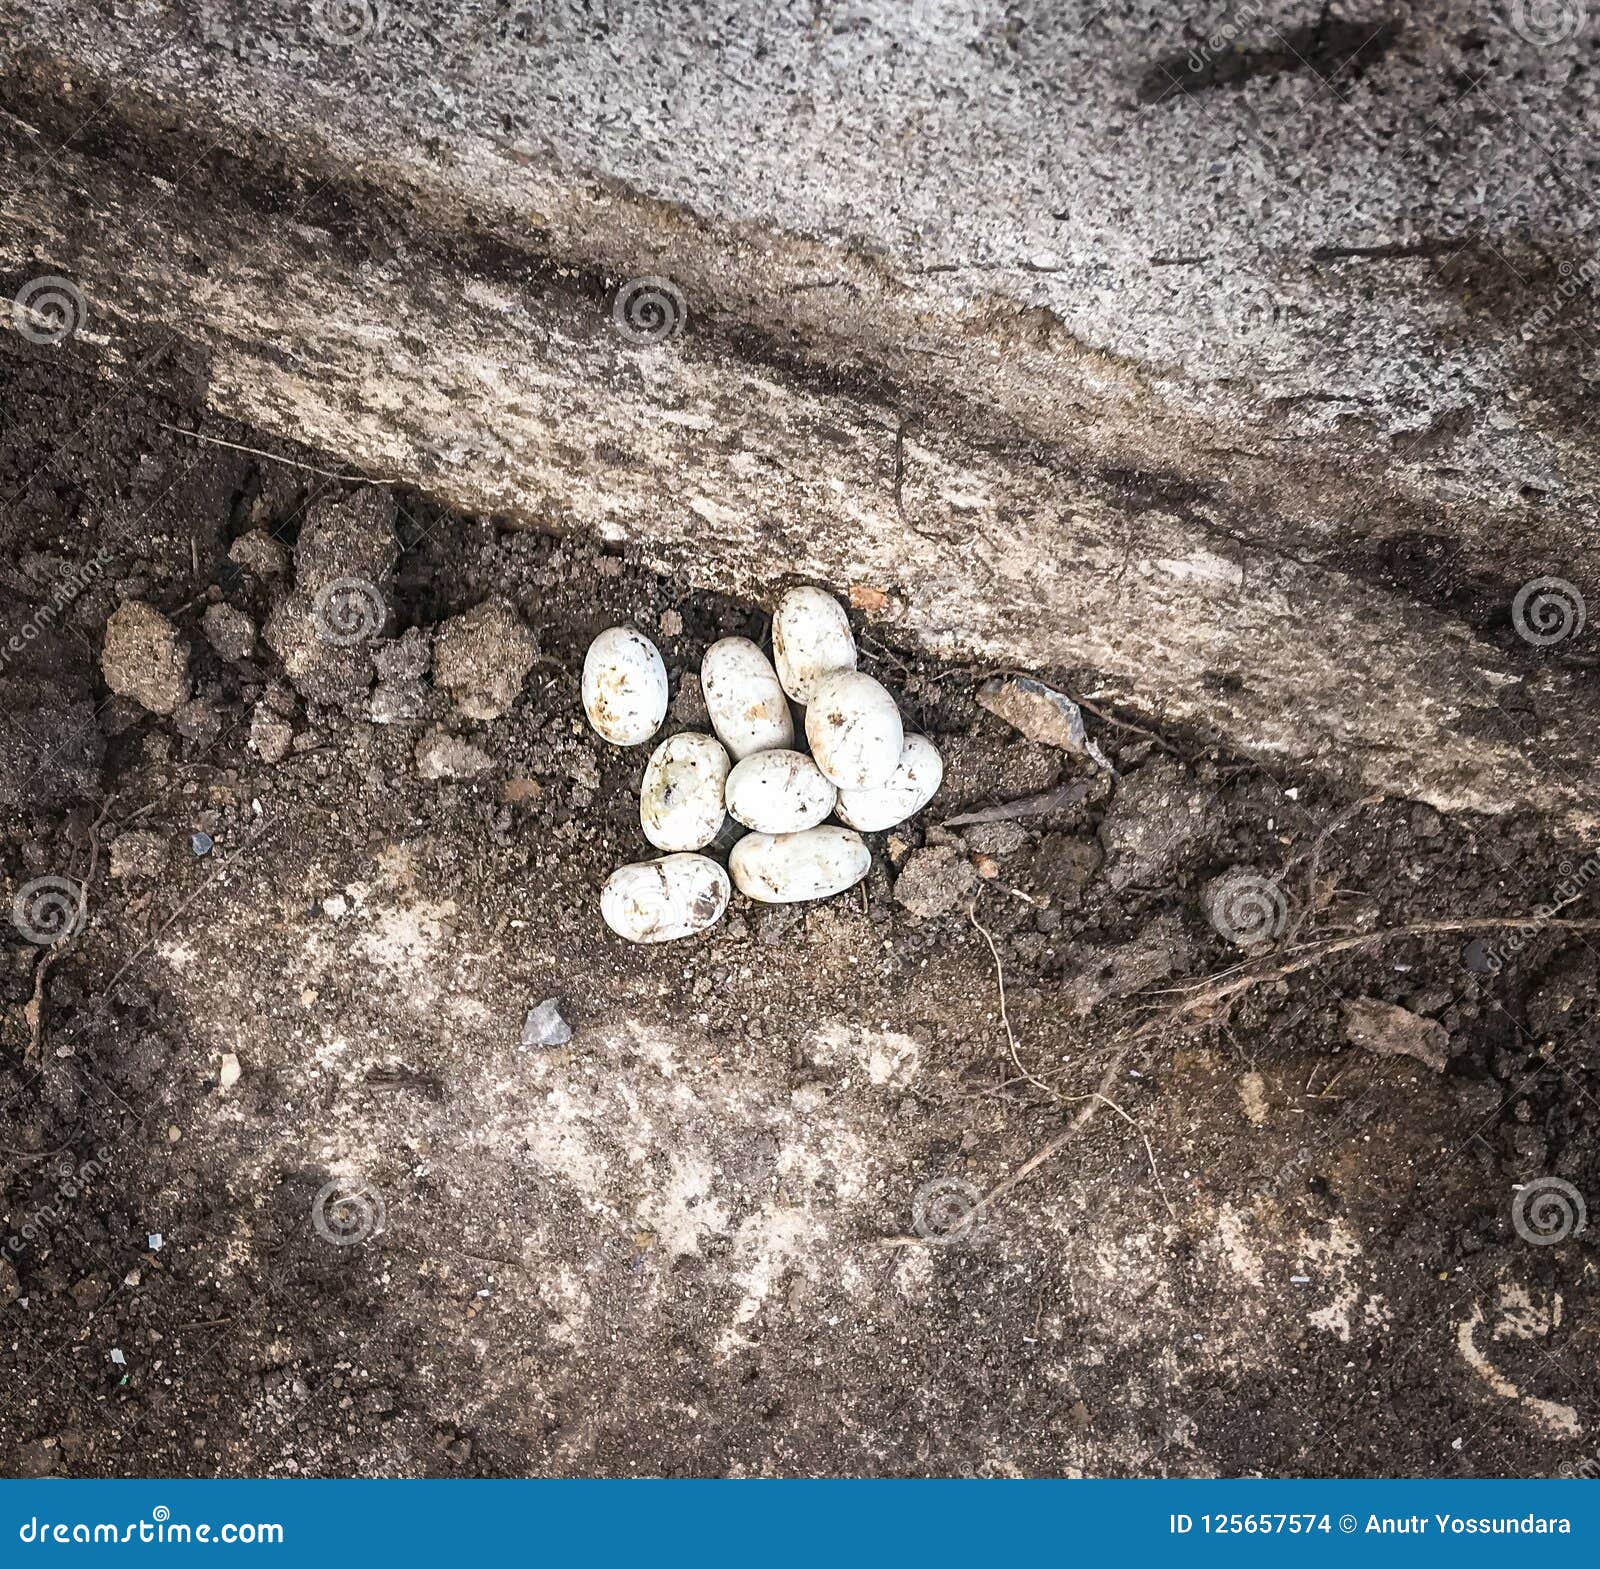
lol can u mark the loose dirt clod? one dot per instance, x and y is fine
(935, 882)
(482, 658)
(441, 755)
(1392, 1031)
(137, 854)
(144, 658)
(230, 631)
(1042, 714)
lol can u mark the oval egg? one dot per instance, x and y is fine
(779, 792)
(661, 901)
(680, 801)
(811, 636)
(855, 731)
(747, 705)
(624, 686)
(910, 788)
(788, 868)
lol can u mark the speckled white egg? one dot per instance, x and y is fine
(854, 729)
(787, 868)
(661, 901)
(748, 709)
(810, 636)
(779, 792)
(624, 686)
(910, 788)
(680, 801)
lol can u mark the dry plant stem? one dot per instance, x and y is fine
(33, 1013)
(1005, 1018)
(272, 457)
(1091, 1103)
(1271, 967)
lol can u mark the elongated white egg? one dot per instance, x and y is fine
(854, 729)
(810, 636)
(910, 788)
(748, 708)
(624, 686)
(779, 792)
(661, 901)
(680, 801)
(787, 868)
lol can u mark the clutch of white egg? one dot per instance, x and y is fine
(752, 773)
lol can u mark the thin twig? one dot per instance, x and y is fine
(272, 457)
(1088, 1105)
(1005, 1018)
(1241, 978)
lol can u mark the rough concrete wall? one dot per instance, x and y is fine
(1236, 368)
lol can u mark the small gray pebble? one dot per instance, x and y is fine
(544, 1025)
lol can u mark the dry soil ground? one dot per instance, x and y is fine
(738, 1224)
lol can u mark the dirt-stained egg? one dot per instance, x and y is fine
(779, 792)
(747, 705)
(912, 785)
(663, 900)
(787, 868)
(811, 636)
(624, 686)
(855, 731)
(681, 799)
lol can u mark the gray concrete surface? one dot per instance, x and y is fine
(1238, 365)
